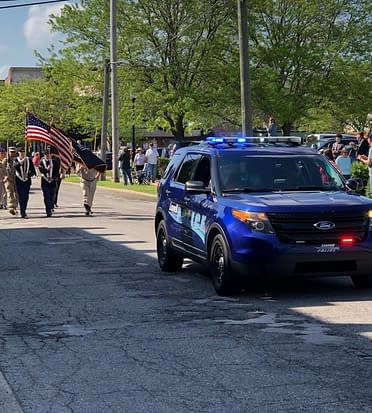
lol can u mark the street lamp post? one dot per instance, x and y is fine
(133, 127)
(114, 92)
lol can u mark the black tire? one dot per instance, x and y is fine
(361, 281)
(168, 258)
(219, 264)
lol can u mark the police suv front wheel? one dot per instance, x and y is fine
(168, 258)
(220, 268)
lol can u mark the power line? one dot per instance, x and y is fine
(30, 4)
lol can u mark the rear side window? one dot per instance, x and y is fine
(187, 168)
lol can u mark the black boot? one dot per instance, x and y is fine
(87, 209)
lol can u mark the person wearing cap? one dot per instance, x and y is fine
(139, 164)
(24, 171)
(88, 184)
(9, 180)
(49, 170)
(3, 204)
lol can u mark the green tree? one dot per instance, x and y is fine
(296, 45)
(168, 50)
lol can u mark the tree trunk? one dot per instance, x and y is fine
(287, 126)
(179, 130)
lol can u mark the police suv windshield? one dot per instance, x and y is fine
(265, 173)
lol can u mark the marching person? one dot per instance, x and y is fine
(9, 180)
(88, 184)
(2, 174)
(49, 170)
(59, 178)
(24, 171)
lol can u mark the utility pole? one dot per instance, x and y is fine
(133, 127)
(245, 88)
(106, 79)
(114, 92)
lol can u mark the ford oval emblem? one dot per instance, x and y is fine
(324, 225)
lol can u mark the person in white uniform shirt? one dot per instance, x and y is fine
(24, 171)
(152, 156)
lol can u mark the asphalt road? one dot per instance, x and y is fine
(90, 324)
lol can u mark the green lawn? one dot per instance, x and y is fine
(109, 183)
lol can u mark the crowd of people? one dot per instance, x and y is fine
(17, 171)
(143, 163)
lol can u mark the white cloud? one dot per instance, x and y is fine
(36, 28)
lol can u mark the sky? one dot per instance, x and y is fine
(23, 30)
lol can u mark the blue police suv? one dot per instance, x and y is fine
(262, 208)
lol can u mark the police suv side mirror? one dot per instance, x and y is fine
(355, 184)
(197, 187)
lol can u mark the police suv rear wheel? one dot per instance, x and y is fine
(168, 259)
(220, 267)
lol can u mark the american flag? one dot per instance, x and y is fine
(37, 130)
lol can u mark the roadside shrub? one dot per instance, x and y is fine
(360, 170)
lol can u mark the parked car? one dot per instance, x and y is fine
(318, 140)
(344, 141)
(261, 210)
(109, 160)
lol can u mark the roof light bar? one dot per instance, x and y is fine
(213, 140)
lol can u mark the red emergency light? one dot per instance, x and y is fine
(347, 240)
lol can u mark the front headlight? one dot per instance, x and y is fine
(257, 221)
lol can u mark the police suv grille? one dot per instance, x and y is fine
(299, 227)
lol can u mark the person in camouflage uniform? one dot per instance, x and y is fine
(9, 180)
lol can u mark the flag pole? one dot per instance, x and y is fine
(26, 143)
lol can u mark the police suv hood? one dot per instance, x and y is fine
(277, 201)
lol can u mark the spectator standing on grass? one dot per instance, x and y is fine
(139, 164)
(363, 146)
(124, 162)
(337, 146)
(367, 160)
(271, 127)
(343, 161)
(139, 160)
(152, 156)
(353, 151)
